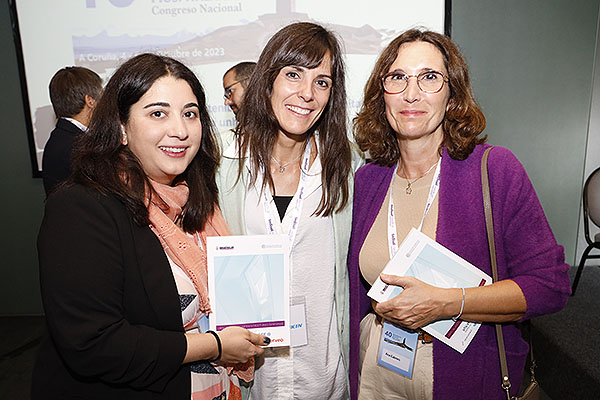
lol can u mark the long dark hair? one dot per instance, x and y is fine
(462, 123)
(102, 162)
(301, 44)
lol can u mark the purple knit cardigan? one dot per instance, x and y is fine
(526, 250)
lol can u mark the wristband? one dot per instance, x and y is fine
(462, 306)
(218, 345)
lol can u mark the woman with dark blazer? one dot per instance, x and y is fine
(121, 251)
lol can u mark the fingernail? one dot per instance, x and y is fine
(267, 340)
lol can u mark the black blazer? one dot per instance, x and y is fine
(113, 317)
(56, 161)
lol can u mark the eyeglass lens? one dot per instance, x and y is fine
(228, 92)
(429, 82)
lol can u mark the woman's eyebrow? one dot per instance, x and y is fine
(424, 69)
(302, 69)
(157, 104)
(167, 105)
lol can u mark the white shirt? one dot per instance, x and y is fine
(313, 371)
(76, 123)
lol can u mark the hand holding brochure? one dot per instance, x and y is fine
(425, 259)
(248, 284)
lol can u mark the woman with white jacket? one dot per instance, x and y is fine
(290, 157)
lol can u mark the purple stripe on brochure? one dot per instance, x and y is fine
(453, 329)
(268, 324)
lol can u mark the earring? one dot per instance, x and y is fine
(123, 136)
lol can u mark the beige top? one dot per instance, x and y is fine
(377, 382)
(374, 253)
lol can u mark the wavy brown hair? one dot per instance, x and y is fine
(102, 162)
(463, 121)
(305, 45)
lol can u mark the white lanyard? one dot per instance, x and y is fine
(392, 232)
(300, 194)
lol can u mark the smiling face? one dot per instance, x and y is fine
(414, 114)
(300, 95)
(164, 129)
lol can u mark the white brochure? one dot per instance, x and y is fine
(432, 263)
(248, 284)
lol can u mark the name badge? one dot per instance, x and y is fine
(298, 328)
(397, 349)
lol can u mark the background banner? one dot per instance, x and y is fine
(209, 36)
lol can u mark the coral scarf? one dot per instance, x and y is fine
(187, 254)
(179, 246)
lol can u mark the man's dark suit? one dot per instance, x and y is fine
(56, 163)
(113, 315)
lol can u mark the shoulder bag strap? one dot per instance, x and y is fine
(489, 225)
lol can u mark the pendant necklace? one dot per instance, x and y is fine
(283, 166)
(409, 183)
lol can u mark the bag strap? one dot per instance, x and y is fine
(489, 225)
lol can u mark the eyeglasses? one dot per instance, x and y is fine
(428, 81)
(227, 92)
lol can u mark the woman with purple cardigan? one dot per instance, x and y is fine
(421, 126)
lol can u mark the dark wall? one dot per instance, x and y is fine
(22, 196)
(532, 66)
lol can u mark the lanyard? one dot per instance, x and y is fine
(300, 194)
(392, 232)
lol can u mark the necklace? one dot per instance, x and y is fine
(409, 183)
(282, 166)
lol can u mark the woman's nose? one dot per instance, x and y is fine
(306, 91)
(412, 92)
(178, 128)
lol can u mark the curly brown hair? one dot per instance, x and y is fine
(462, 123)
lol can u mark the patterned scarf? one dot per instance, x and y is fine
(185, 252)
(179, 246)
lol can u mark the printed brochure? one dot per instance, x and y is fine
(423, 258)
(248, 284)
